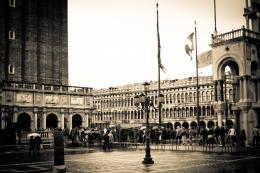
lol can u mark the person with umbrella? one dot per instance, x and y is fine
(38, 144)
(31, 145)
(32, 142)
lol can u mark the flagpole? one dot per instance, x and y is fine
(215, 18)
(159, 68)
(197, 77)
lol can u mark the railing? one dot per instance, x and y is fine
(239, 33)
(47, 137)
(45, 87)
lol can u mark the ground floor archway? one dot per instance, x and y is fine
(229, 123)
(76, 121)
(23, 122)
(211, 124)
(176, 124)
(193, 124)
(51, 121)
(185, 124)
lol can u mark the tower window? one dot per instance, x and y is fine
(12, 3)
(10, 69)
(11, 34)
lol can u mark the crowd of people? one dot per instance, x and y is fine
(180, 136)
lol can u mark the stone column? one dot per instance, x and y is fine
(234, 91)
(69, 121)
(245, 86)
(244, 123)
(86, 123)
(44, 120)
(35, 120)
(15, 117)
(220, 92)
(241, 89)
(219, 116)
(62, 120)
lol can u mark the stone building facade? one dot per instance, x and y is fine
(34, 41)
(116, 105)
(34, 90)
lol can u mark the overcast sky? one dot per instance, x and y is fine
(114, 42)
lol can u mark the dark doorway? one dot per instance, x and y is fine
(51, 121)
(76, 121)
(24, 122)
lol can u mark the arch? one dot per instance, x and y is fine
(191, 112)
(193, 124)
(203, 112)
(169, 125)
(211, 124)
(202, 124)
(234, 64)
(76, 120)
(24, 122)
(51, 121)
(185, 124)
(167, 113)
(229, 123)
(176, 124)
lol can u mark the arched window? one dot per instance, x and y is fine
(11, 69)
(190, 97)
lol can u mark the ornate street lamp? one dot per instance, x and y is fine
(143, 102)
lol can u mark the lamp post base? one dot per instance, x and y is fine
(148, 160)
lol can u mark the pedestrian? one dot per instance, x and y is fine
(217, 135)
(255, 136)
(178, 135)
(232, 136)
(242, 137)
(204, 134)
(222, 134)
(210, 137)
(31, 145)
(106, 140)
(38, 144)
(111, 139)
(184, 136)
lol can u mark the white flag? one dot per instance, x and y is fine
(189, 47)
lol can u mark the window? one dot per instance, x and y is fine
(12, 3)
(11, 34)
(10, 69)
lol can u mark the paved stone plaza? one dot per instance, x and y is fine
(79, 160)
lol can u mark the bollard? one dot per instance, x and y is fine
(59, 166)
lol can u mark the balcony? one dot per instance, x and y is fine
(234, 36)
(44, 87)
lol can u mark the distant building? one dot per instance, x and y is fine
(230, 96)
(115, 106)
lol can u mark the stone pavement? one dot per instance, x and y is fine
(84, 159)
(119, 161)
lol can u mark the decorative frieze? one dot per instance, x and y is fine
(75, 100)
(51, 99)
(24, 98)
